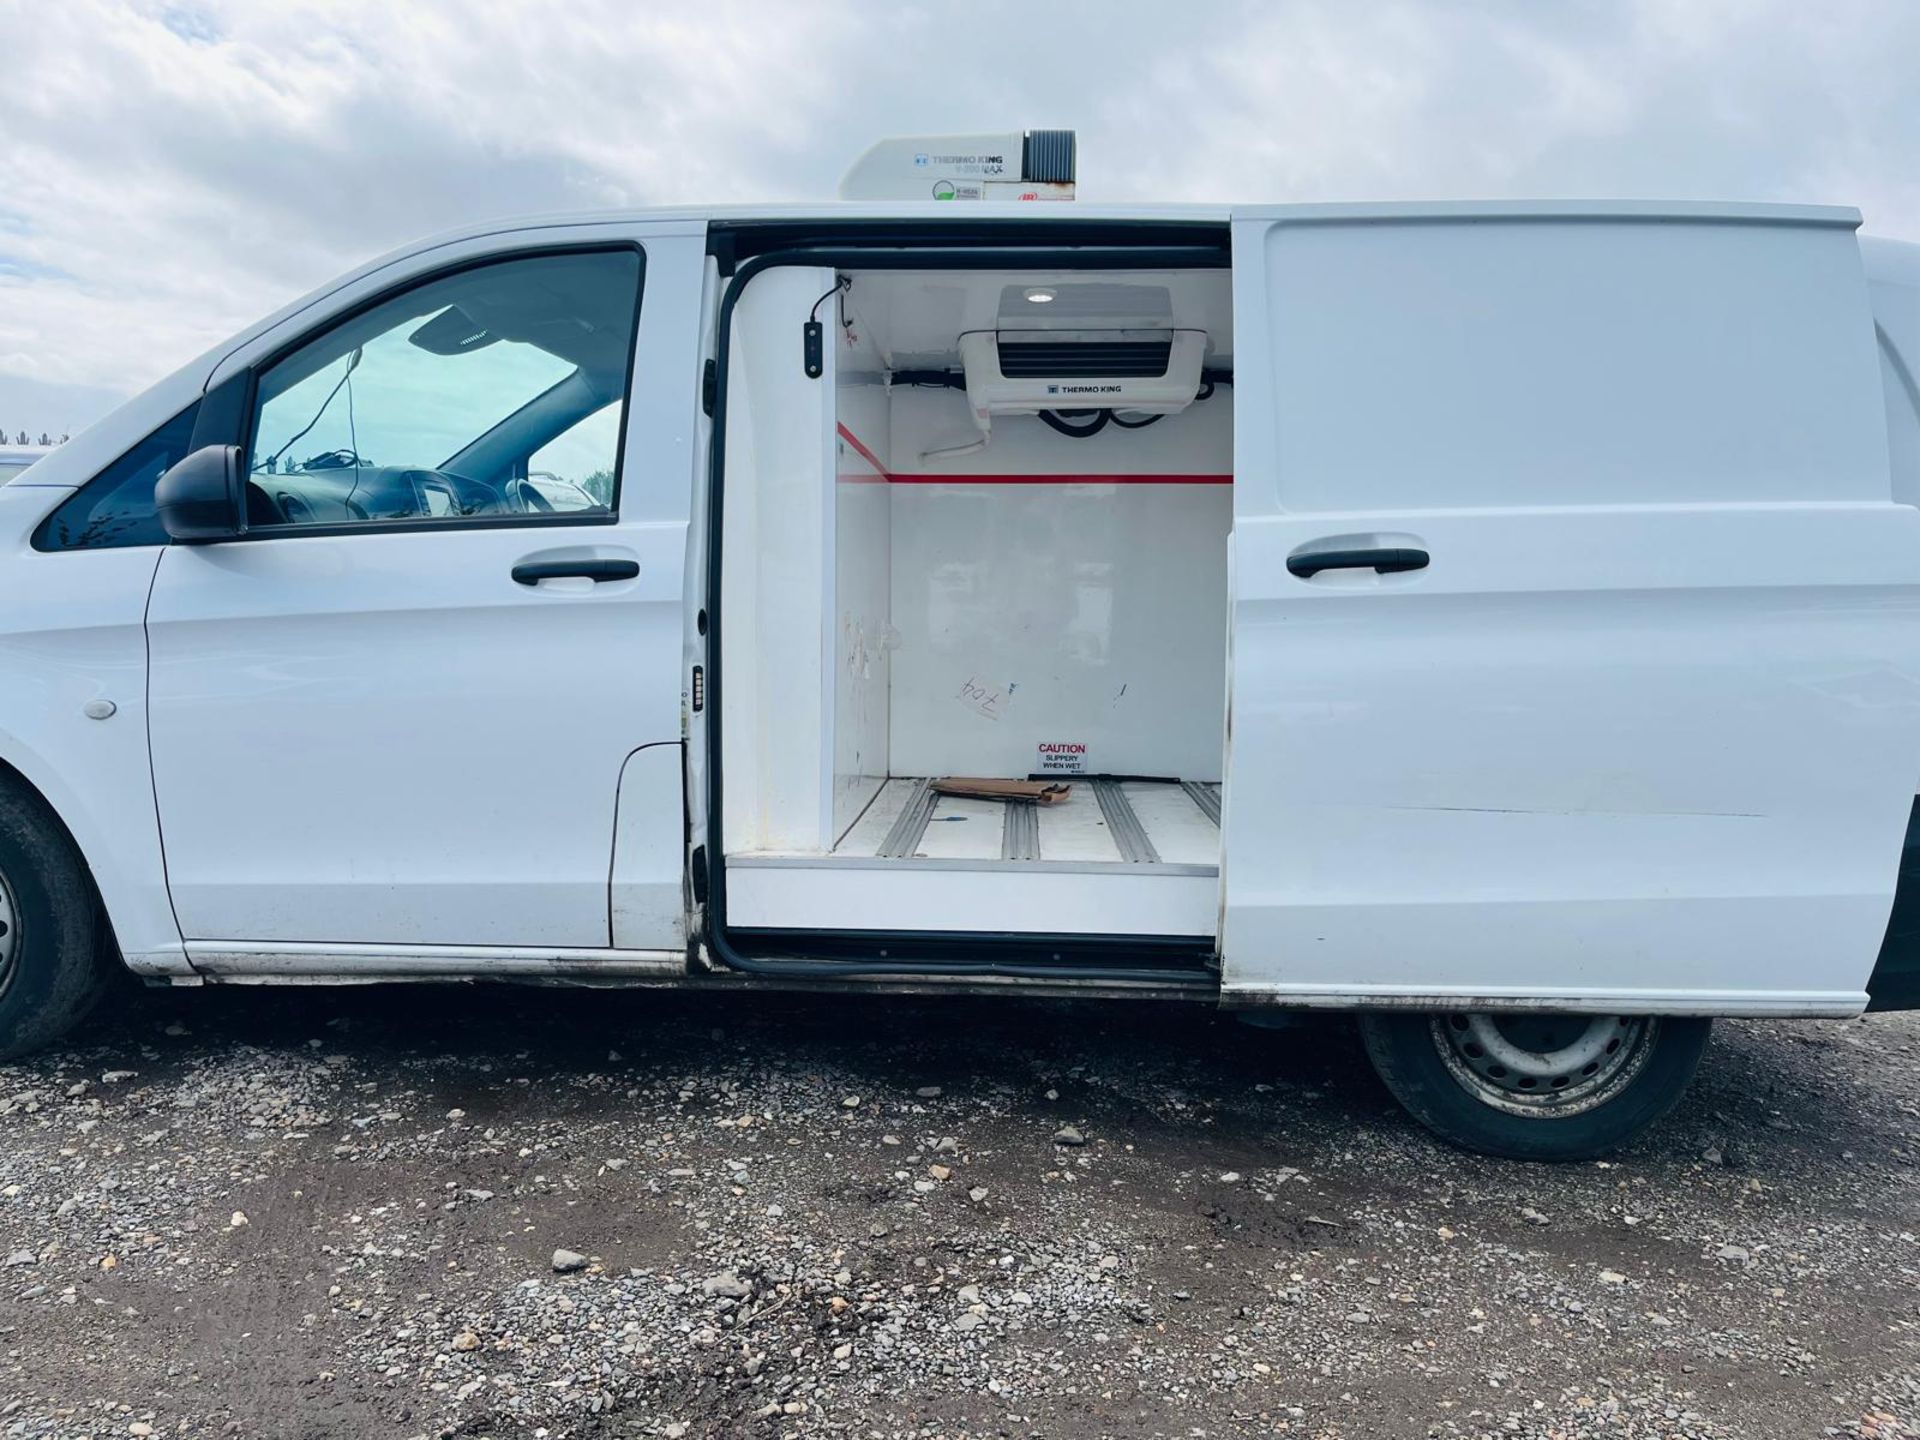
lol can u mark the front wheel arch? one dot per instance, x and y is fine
(54, 951)
(15, 781)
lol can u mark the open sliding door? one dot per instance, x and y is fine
(1575, 633)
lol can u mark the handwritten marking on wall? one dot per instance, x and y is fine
(988, 701)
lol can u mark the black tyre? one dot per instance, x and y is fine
(1535, 1087)
(51, 929)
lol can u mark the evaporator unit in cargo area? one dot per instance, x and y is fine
(1085, 346)
(1015, 372)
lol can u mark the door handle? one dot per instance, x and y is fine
(1389, 560)
(532, 572)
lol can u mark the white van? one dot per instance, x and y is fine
(14, 459)
(1502, 620)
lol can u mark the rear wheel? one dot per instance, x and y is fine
(51, 930)
(1535, 1087)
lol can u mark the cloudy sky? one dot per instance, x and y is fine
(169, 172)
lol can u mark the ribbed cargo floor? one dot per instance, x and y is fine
(1101, 822)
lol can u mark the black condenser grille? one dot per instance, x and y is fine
(1085, 360)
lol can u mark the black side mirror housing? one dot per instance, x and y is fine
(198, 499)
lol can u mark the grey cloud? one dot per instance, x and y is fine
(169, 172)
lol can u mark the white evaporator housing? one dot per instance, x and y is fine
(1066, 347)
(1023, 372)
(1018, 165)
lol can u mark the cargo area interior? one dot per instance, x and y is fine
(986, 541)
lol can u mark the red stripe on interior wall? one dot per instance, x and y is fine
(963, 478)
(977, 479)
(865, 454)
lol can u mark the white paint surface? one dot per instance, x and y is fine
(1650, 722)
(384, 739)
(69, 635)
(647, 900)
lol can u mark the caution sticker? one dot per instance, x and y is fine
(1060, 757)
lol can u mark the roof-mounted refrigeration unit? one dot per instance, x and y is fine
(1017, 165)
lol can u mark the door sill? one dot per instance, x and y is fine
(269, 961)
(1171, 959)
(831, 895)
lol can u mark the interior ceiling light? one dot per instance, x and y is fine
(1039, 295)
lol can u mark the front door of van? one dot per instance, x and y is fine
(397, 710)
(1576, 637)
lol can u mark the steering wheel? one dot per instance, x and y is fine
(524, 495)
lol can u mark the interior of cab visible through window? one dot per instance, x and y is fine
(496, 391)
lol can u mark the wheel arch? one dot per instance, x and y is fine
(14, 778)
(134, 908)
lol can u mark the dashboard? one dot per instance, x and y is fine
(362, 494)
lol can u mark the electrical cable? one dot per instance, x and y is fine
(274, 459)
(840, 282)
(1056, 420)
(353, 434)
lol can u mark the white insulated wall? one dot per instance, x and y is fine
(777, 630)
(864, 638)
(884, 613)
(1052, 590)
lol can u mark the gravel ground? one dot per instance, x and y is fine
(490, 1212)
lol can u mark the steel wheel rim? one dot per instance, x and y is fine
(1544, 1066)
(9, 932)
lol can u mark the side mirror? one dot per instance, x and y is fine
(198, 499)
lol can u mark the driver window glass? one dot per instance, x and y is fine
(575, 470)
(429, 405)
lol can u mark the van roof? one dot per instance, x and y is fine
(1076, 211)
(770, 219)
(1038, 211)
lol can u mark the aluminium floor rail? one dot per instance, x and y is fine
(1129, 835)
(911, 825)
(1206, 795)
(1020, 832)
